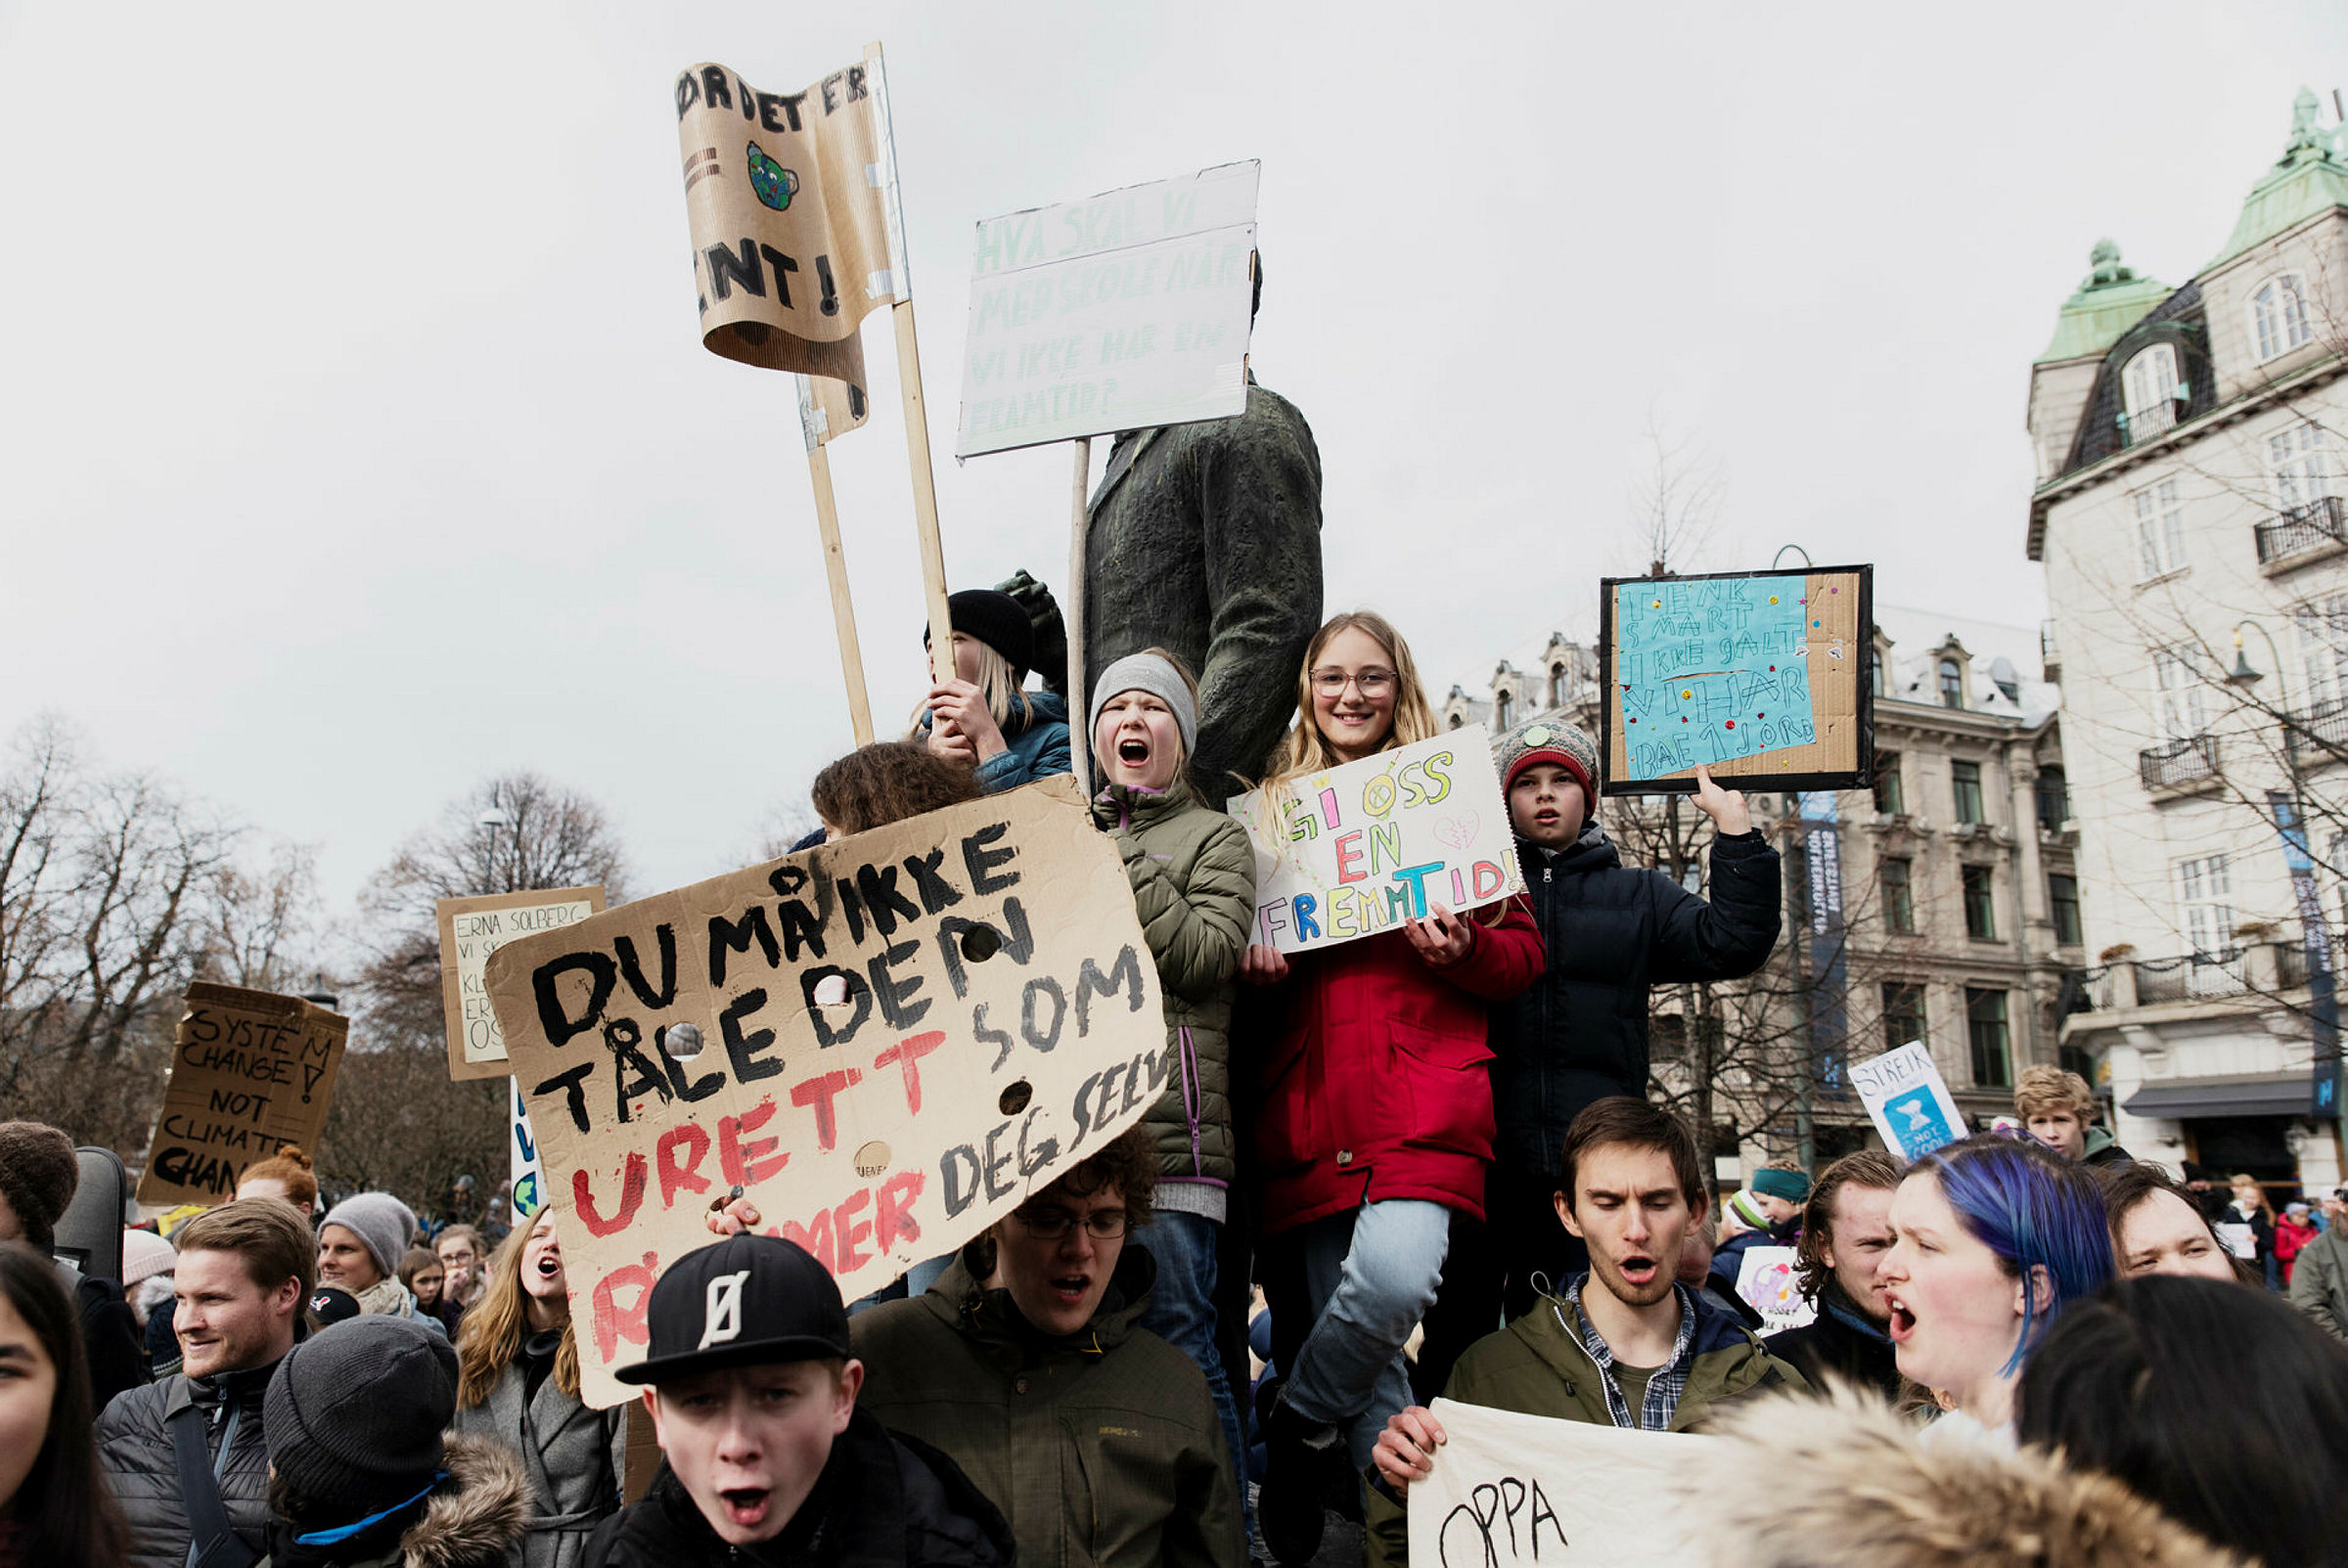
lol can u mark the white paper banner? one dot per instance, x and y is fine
(1359, 849)
(1910, 1103)
(1126, 310)
(1526, 1488)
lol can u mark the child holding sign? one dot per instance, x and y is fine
(980, 715)
(1376, 1112)
(1193, 885)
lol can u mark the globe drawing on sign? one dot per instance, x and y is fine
(774, 184)
(1917, 1118)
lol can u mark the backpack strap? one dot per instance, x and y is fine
(218, 1545)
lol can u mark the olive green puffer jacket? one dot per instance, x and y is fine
(1193, 885)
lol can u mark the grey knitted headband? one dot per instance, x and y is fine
(1146, 672)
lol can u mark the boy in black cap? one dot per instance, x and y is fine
(752, 1394)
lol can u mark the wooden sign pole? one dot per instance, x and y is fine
(924, 495)
(1080, 691)
(843, 612)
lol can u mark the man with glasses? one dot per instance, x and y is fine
(1025, 1364)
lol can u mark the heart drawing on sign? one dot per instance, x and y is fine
(1458, 832)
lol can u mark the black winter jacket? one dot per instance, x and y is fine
(134, 1450)
(883, 1499)
(1839, 1343)
(1580, 1033)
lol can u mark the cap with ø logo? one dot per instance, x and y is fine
(740, 1301)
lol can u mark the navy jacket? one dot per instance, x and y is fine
(1579, 1034)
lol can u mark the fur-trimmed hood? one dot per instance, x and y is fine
(1842, 1481)
(472, 1521)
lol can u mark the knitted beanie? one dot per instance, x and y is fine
(353, 1416)
(1743, 1206)
(1772, 1181)
(995, 619)
(383, 1223)
(1146, 672)
(1548, 740)
(38, 1173)
(144, 1256)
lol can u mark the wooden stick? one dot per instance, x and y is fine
(1080, 694)
(924, 495)
(843, 612)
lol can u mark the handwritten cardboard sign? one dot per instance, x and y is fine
(1124, 311)
(1359, 849)
(1759, 676)
(473, 928)
(1910, 1101)
(1769, 1279)
(997, 1020)
(252, 1071)
(792, 201)
(1528, 1489)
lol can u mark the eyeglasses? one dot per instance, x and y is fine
(1371, 684)
(1049, 1225)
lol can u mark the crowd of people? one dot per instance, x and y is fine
(1432, 1147)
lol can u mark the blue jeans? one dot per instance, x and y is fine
(1182, 1313)
(1368, 1278)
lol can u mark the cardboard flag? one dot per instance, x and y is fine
(1357, 850)
(791, 201)
(830, 409)
(1530, 1489)
(252, 1071)
(900, 1036)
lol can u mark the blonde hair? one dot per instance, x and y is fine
(1305, 749)
(2042, 1089)
(493, 1327)
(998, 682)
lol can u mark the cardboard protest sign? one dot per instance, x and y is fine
(997, 1020)
(473, 928)
(1358, 849)
(1910, 1103)
(1124, 311)
(1761, 677)
(828, 409)
(1528, 1489)
(252, 1071)
(792, 199)
(1768, 1281)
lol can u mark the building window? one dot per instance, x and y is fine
(1500, 708)
(2148, 391)
(1902, 1014)
(1875, 675)
(2052, 794)
(1888, 798)
(1458, 720)
(1899, 896)
(1985, 1024)
(2278, 316)
(2205, 903)
(1964, 781)
(2305, 465)
(1667, 1038)
(2062, 902)
(1951, 685)
(2179, 696)
(2160, 529)
(1981, 903)
(1556, 686)
(2322, 631)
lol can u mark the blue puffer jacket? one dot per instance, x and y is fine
(1035, 749)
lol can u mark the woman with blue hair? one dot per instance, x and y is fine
(1992, 1239)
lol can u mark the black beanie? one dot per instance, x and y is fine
(353, 1416)
(38, 1173)
(995, 619)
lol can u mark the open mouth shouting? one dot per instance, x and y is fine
(745, 1506)
(1638, 1270)
(1134, 751)
(1901, 1328)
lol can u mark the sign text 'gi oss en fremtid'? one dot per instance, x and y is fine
(1121, 311)
(896, 1037)
(252, 1071)
(1362, 847)
(473, 928)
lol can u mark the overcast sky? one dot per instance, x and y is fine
(356, 442)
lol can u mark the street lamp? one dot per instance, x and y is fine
(2243, 675)
(493, 818)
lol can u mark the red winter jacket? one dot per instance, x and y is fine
(1374, 1085)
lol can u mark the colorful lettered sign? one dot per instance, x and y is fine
(895, 1038)
(1361, 848)
(1765, 678)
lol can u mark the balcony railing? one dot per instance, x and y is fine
(2224, 973)
(2185, 761)
(2149, 422)
(2321, 731)
(2322, 521)
(2050, 654)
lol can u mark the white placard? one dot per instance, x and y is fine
(1355, 851)
(1121, 311)
(1912, 1108)
(1769, 1279)
(1527, 1489)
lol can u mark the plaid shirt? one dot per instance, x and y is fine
(1663, 1389)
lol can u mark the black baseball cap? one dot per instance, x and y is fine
(331, 1306)
(741, 1301)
